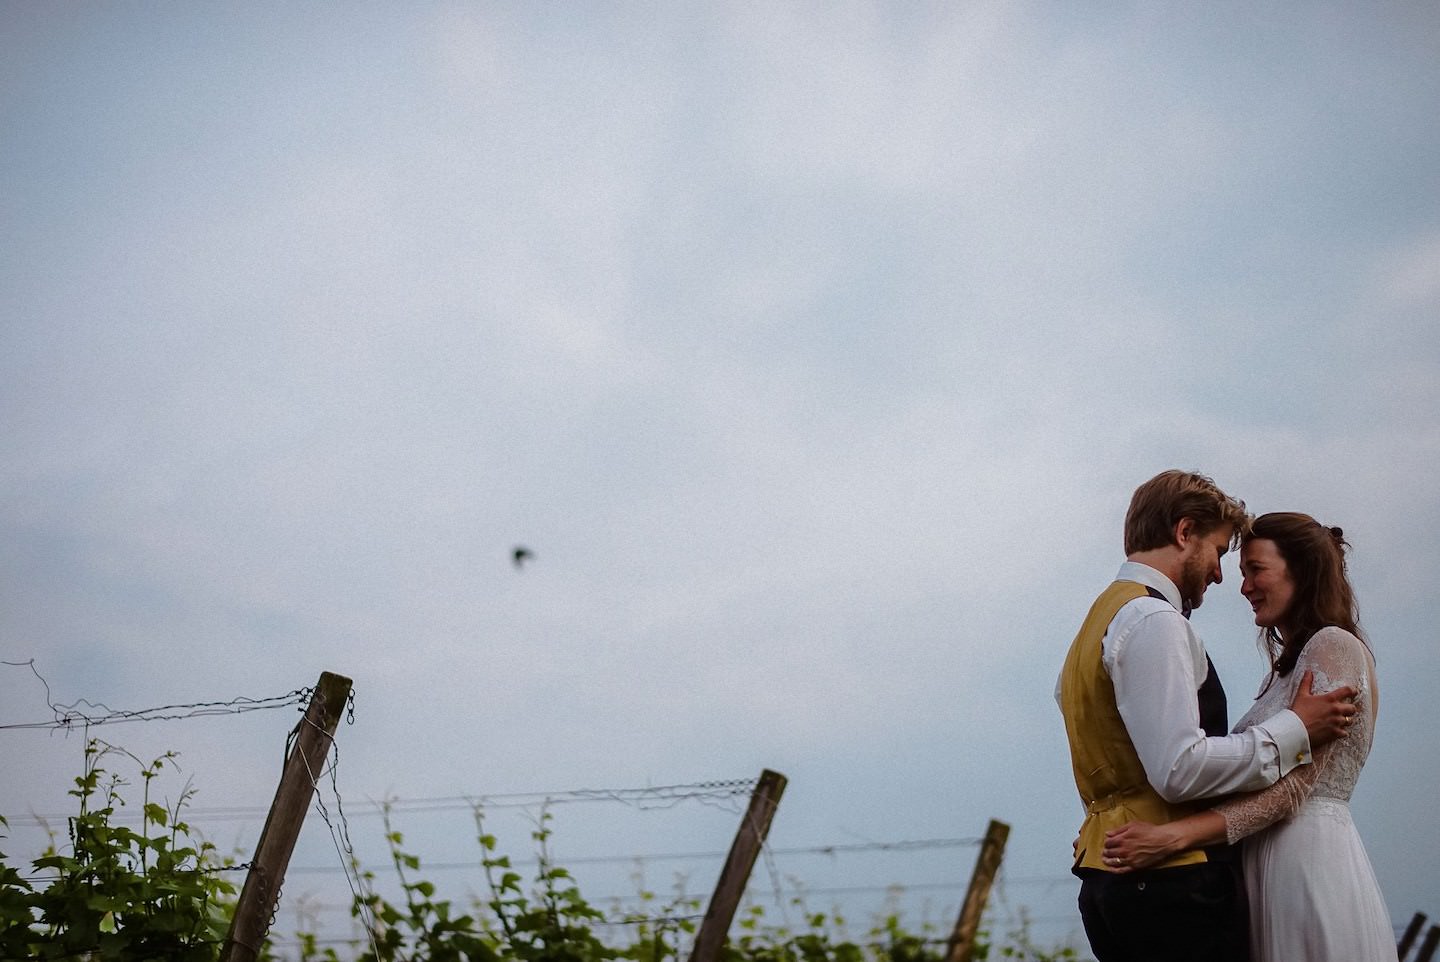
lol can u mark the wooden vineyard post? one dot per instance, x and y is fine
(1428, 947)
(736, 874)
(1412, 932)
(962, 941)
(303, 766)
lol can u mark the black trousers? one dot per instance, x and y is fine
(1191, 912)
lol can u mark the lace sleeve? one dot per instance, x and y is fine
(1249, 813)
(1336, 658)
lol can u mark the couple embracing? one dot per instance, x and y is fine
(1170, 793)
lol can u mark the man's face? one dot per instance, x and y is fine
(1201, 564)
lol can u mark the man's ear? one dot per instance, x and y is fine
(1184, 531)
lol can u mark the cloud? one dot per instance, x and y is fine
(815, 355)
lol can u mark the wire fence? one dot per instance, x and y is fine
(86, 714)
(629, 909)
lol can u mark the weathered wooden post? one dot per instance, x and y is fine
(1412, 932)
(736, 874)
(304, 764)
(1431, 943)
(962, 941)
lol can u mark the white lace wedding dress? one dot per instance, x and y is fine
(1313, 895)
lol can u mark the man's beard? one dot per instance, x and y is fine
(1194, 579)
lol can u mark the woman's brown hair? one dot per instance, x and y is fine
(1315, 557)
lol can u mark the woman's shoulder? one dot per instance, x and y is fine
(1335, 637)
(1334, 651)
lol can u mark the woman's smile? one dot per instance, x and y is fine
(1266, 581)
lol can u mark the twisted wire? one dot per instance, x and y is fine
(88, 714)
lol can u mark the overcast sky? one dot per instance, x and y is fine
(813, 349)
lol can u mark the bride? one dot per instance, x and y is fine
(1311, 888)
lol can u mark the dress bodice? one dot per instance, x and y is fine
(1336, 658)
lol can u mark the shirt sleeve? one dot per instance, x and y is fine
(1156, 665)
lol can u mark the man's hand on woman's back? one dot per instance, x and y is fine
(1328, 715)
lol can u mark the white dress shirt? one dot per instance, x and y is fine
(1157, 664)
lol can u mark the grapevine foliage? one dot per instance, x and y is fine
(160, 892)
(115, 892)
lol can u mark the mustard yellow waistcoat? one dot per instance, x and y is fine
(1108, 772)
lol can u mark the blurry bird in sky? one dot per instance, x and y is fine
(520, 555)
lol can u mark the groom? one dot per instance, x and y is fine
(1146, 719)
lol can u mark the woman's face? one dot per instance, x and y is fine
(1266, 582)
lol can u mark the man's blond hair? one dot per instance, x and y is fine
(1159, 504)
